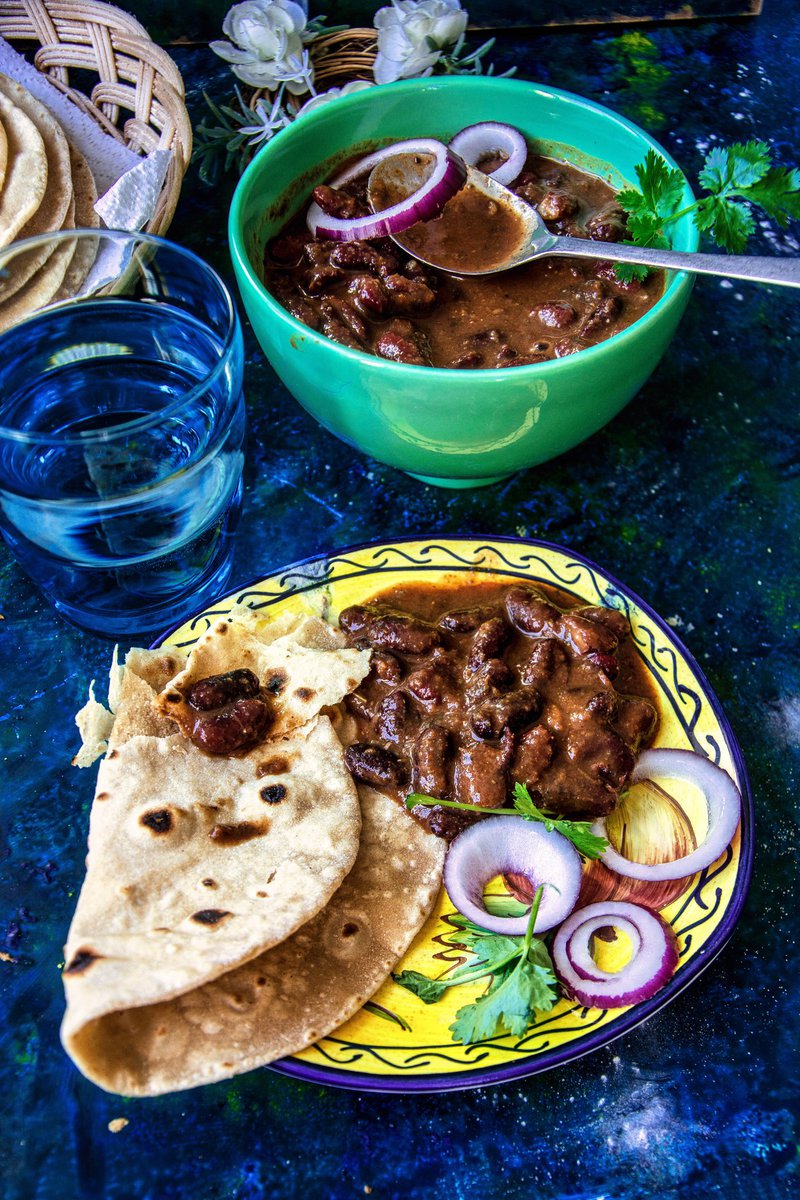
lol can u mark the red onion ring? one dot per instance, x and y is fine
(447, 177)
(722, 798)
(492, 137)
(653, 962)
(504, 845)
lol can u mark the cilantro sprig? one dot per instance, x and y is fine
(736, 178)
(588, 844)
(522, 981)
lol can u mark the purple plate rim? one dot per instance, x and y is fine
(544, 1061)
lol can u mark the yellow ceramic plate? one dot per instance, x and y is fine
(397, 1043)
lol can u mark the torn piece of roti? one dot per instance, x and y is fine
(302, 665)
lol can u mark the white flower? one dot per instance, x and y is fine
(412, 35)
(268, 122)
(266, 45)
(357, 85)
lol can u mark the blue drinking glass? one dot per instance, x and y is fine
(121, 427)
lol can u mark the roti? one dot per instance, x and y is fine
(51, 212)
(290, 996)
(85, 197)
(199, 863)
(41, 288)
(3, 154)
(26, 171)
(56, 210)
(292, 655)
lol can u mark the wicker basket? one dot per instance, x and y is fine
(338, 58)
(138, 96)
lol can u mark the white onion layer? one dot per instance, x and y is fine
(723, 801)
(653, 962)
(492, 137)
(511, 845)
(580, 947)
(427, 201)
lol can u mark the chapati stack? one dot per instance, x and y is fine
(45, 185)
(194, 956)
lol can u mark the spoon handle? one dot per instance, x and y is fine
(783, 271)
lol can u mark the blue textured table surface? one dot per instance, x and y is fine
(691, 497)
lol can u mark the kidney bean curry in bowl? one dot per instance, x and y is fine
(335, 268)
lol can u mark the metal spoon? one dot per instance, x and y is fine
(441, 242)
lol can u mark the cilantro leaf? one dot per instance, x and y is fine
(645, 230)
(748, 162)
(628, 272)
(511, 1003)
(494, 947)
(735, 177)
(729, 223)
(662, 188)
(428, 990)
(588, 844)
(522, 981)
(739, 166)
(778, 194)
(661, 185)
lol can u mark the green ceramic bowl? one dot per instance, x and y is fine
(451, 427)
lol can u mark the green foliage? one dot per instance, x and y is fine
(522, 981)
(737, 179)
(588, 844)
(512, 999)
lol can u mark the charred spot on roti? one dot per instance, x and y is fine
(102, 796)
(349, 929)
(260, 981)
(231, 835)
(209, 883)
(273, 793)
(81, 961)
(262, 895)
(174, 698)
(210, 916)
(273, 766)
(276, 682)
(304, 693)
(271, 876)
(158, 819)
(113, 754)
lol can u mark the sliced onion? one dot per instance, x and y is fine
(492, 137)
(427, 201)
(653, 962)
(722, 798)
(511, 845)
(580, 948)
